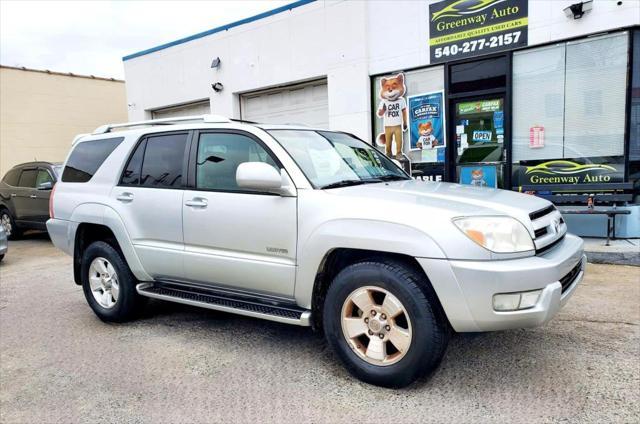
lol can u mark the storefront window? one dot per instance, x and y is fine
(423, 101)
(569, 112)
(634, 130)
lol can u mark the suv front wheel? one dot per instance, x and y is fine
(383, 321)
(108, 284)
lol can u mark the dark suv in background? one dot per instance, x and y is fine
(24, 196)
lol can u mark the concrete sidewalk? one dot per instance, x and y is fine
(619, 252)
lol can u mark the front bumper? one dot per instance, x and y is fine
(466, 288)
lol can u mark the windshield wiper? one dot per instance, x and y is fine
(392, 178)
(343, 183)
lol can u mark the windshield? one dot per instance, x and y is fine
(57, 169)
(330, 159)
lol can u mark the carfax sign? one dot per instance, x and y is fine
(466, 28)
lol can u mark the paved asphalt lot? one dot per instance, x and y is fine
(59, 363)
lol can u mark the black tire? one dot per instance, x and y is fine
(129, 302)
(430, 328)
(1, 257)
(16, 232)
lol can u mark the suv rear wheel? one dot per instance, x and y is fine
(9, 224)
(383, 321)
(108, 284)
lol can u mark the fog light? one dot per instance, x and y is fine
(515, 301)
(529, 299)
(506, 302)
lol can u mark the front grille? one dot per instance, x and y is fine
(568, 279)
(549, 246)
(542, 212)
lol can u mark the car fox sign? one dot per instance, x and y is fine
(466, 28)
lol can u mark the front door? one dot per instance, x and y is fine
(479, 126)
(149, 201)
(236, 238)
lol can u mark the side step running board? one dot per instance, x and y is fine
(290, 314)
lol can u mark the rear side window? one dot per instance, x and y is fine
(163, 161)
(28, 178)
(11, 177)
(86, 158)
(131, 174)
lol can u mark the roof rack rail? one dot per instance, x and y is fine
(164, 121)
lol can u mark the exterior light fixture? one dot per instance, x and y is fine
(215, 63)
(576, 10)
(217, 87)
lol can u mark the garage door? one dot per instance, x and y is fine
(197, 108)
(299, 104)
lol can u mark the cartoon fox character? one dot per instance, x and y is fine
(477, 178)
(426, 140)
(393, 111)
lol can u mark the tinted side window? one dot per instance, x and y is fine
(220, 154)
(163, 159)
(86, 158)
(43, 177)
(11, 177)
(131, 175)
(28, 178)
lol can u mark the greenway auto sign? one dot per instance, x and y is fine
(570, 171)
(466, 28)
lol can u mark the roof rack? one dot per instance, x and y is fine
(210, 119)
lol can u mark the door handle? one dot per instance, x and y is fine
(33, 196)
(13, 195)
(196, 202)
(125, 197)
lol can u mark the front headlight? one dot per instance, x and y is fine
(500, 234)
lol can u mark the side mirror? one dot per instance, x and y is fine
(260, 176)
(47, 185)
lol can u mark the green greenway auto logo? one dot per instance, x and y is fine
(566, 167)
(464, 7)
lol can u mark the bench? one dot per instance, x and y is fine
(563, 194)
(574, 194)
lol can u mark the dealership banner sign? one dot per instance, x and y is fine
(571, 171)
(466, 28)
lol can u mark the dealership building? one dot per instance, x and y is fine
(540, 96)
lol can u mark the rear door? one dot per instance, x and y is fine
(149, 201)
(233, 237)
(25, 195)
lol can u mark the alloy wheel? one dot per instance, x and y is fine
(103, 281)
(5, 221)
(376, 325)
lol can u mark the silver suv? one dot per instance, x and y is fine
(306, 227)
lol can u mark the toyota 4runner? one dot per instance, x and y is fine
(307, 227)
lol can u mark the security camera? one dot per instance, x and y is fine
(576, 10)
(217, 87)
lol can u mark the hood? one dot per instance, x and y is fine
(457, 199)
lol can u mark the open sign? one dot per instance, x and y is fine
(482, 136)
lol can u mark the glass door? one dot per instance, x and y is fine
(479, 133)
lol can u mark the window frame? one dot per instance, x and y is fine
(193, 159)
(144, 138)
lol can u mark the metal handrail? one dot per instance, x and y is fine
(103, 129)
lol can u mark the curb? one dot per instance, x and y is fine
(614, 258)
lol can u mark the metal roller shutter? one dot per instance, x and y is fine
(297, 104)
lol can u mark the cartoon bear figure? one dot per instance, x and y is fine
(477, 178)
(426, 140)
(393, 111)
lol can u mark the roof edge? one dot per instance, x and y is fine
(257, 17)
(64, 74)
